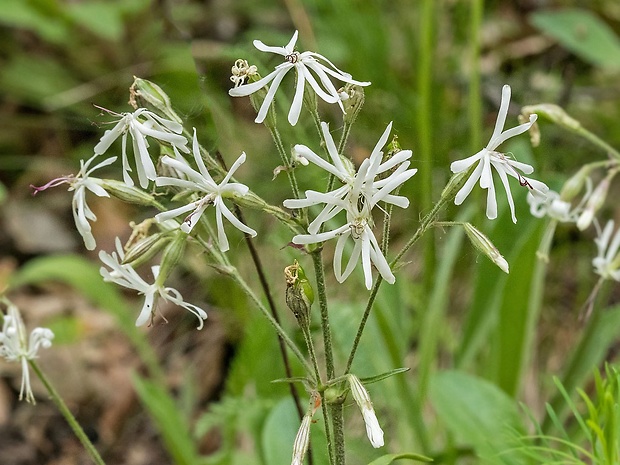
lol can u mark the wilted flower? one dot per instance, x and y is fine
(607, 262)
(302, 440)
(201, 181)
(79, 184)
(16, 347)
(303, 63)
(126, 276)
(358, 195)
(488, 157)
(140, 124)
(361, 397)
(242, 71)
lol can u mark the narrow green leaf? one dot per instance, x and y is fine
(167, 417)
(389, 458)
(382, 376)
(583, 33)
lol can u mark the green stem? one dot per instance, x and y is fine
(338, 434)
(292, 179)
(362, 325)
(322, 294)
(448, 194)
(424, 125)
(596, 140)
(75, 426)
(474, 101)
(337, 413)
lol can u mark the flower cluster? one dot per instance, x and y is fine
(504, 165)
(16, 346)
(361, 191)
(303, 63)
(124, 275)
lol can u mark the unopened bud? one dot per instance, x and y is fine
(484, 245)
(129, 194)
(594, 203)
(299, 293)
(574, 185)
(144, 249)
(352, 97)
(454, 184)
(153, 95)
(172, 256)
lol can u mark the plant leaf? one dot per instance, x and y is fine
(583, 33)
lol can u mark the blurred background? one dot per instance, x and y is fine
(437, 69)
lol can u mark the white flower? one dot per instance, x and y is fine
(140, 124)
(126, 276)
(607, 262)
(80, 183)
(16, 347)
(361, 397)
(303, 63)
(488, 157)
(358, 227)
(201, 181)
(358, 195)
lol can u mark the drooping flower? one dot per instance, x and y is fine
(202, 182)
(302, 440)
(358, 195)
(607, 262)
(124, 275)
(554, 207)
(303, 63)
(140, 124)
(504, 165)
(80, 183)
(361, 397)
(15, 346)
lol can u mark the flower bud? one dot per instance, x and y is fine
(299, 294)
(574, 185)
(129, 194)
(484, 245)
(171, 256)
(594, 203)
(144, 249)
(154, 95)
